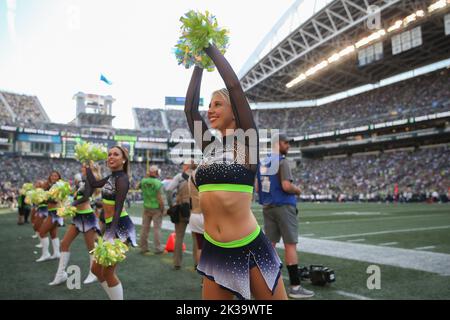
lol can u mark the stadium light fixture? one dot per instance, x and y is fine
(335, 57)
(374, 36)
(367, 40)
(437, 5)
(316, 68)
(409, 19)
(347, 51)
(300, 78)
(395, 26)
(420, 13)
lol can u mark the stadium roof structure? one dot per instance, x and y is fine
(320, 57)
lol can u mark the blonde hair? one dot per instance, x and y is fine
(223, 93)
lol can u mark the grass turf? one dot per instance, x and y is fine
(152, 276)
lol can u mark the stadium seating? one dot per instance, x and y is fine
(418, 96)
(27, 109)
(373, 177)
(360, 177)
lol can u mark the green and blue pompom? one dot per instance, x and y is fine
(26, 187)
(87, 151)
(60, 191)
(67, 211)
(198, 32)
(36, 196)
(109, 253)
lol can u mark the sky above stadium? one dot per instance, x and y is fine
(55, 48)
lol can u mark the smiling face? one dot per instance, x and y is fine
(115, 159)
(54, 177)
(220, 113)
(39, 184)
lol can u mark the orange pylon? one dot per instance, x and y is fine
(170, 244)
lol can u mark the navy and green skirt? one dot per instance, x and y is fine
(42, 211)
(228, 264)
(52, 213)
(126, 231)
(86, 220)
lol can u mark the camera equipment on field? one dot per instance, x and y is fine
(317, 274)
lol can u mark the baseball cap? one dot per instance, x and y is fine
(281, 137)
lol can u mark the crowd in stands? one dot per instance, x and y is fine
(418, 174)
(175, 119)
(150, 122)
(26, 108)
(5, 115)
(429, 93)
(16, 170)
(425, 94)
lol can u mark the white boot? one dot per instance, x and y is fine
(116, 293)
(45, 254)
(35, 235)
(55, 245)
(91, 277)
(61, 275)
(105, 287)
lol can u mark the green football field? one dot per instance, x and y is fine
(409, 243)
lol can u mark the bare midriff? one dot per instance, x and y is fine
(108, 210)
(84, 206)
(228, 216)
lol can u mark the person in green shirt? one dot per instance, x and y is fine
(23, 209)
(152, 189)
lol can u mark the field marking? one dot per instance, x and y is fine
(388, 244)
(425, 248)
(357, 240)
(352, 295)
(308, 235)
(404, 258)
(377, 218)
(357, 213)
(384, 232)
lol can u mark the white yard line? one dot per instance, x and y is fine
(404, 258)
(384, 232)
(343, 293)
(352, 295)
(357, 240)
(425, 248)
(375, 218)
(388, 244)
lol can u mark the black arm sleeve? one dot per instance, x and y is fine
(241, 109)
(88, 191)
(191, 107)
(94, 182)
(122, 186)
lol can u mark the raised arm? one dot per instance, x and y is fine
(241, 109)
(191, 108)
(93, 181)
(88, 191)
(122, 186)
